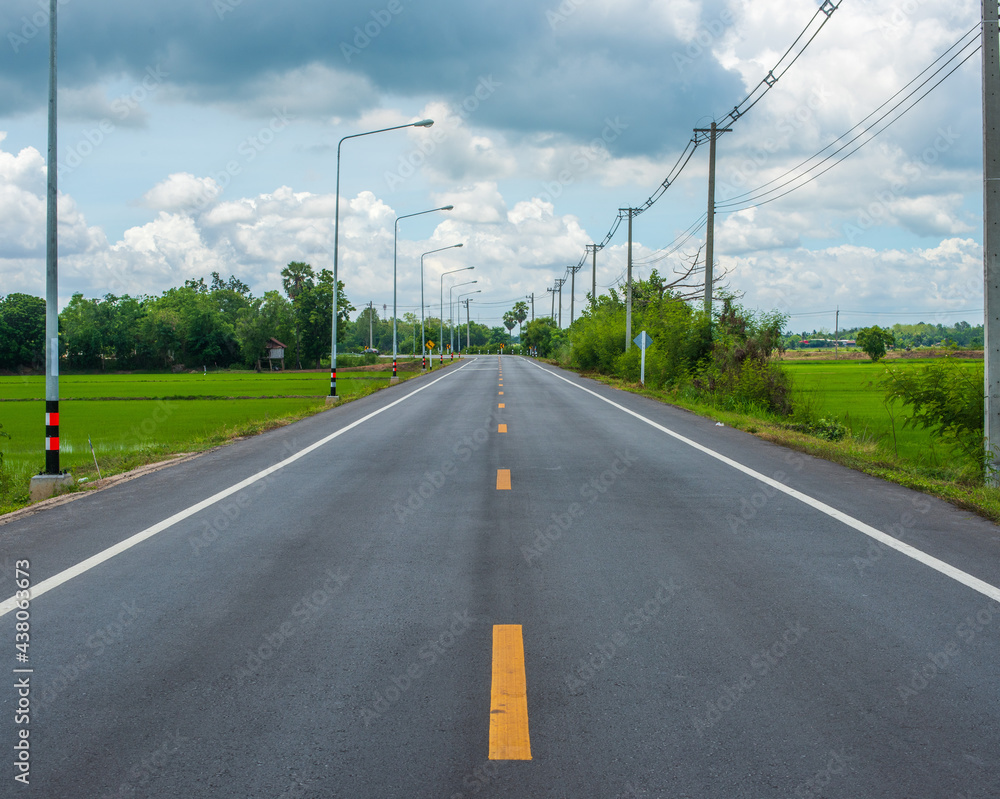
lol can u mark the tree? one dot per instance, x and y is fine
(520, 311)
(509, 320)
(540, 334)
(296, 278)
(22, 328)
(874, 340)
(266, 317)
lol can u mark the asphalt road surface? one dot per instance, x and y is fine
(501, 579)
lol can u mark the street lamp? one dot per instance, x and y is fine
(395, 239)
(451, 312)
(423, 123)
(423, 346)
(450, 271)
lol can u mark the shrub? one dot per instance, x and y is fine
(945, 398)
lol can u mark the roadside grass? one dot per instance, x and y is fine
(877, 443)
(135, 420)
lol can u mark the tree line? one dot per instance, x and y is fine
(216, 324)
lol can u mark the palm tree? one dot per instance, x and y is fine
(294, 278)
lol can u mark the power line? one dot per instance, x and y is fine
(822, 15)
(755, 197)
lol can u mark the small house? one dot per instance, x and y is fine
(275, 352)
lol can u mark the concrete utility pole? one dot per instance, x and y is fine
(552, 313)
(836, 335)
(628, 282)
(592, 249)
(572, 290)
(713, 133)
(559, 285)
(532, 306)
(45, 485)
(991, 235)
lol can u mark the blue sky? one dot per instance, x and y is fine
(201, 135)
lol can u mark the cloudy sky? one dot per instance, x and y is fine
(201, 135)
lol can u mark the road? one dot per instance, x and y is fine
(414, 593)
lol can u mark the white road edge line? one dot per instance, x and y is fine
(95, 560)
(912, 552)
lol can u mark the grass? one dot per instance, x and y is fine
(848, 390)
(135, 419)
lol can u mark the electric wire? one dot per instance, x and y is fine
(826, 9)
(756, 197)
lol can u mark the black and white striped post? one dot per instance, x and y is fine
(46, 484)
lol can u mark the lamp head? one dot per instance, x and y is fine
(423, 123)
(447, 207)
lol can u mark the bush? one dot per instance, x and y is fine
(945, 398)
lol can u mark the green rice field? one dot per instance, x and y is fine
(849, 391)
(131, 419)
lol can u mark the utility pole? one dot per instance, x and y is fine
(991, 236)
(559, 285)
(628, 281)
(836, 335)
(371, 313)
(552, 314)
(572, 290)
(532, 306)
(45, 485)
(592, 249)
(713, 133)
(467, 345)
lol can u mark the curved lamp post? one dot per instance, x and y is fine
(423, 339)
(423, 123)
(395, 239)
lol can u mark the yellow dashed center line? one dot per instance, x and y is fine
(503, 479)
(509, 696)
(501, 393)
(501, 405)
(502, 428)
